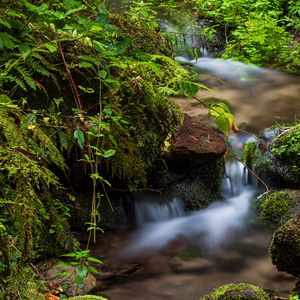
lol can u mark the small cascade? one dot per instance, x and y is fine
(160, 223)
(148, 211)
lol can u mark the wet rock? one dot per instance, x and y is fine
(285, 247)
(196, 163)
(195, 140)
(65, 278)
(278, 207)
(274, 155)
(237, 291)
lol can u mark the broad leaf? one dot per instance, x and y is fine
(109, 153)
(79, 135)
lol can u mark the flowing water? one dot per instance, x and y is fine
(183, 255)
(259, 97)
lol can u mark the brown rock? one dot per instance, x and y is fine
(194, 137)
(56, 276)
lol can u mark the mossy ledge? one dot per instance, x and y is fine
(237, 291)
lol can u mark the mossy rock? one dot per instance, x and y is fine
(237, 291)
(274, 156)
(279, 206)
(285, 247)
(87, 297)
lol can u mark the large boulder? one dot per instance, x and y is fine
(196, 163)
(237, 291)
(285, 247)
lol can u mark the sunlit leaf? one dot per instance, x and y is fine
(109, 153)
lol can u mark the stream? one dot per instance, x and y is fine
(183, 255)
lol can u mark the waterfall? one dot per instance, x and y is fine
(160, 223)
(148, 211)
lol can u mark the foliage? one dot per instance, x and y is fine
(259, 32)
(294, 297)
(31, 220)
(81, 262)
(274, 154)
(287, 147)
(237, 291)
(113, 124)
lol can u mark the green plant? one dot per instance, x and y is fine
(260, 32)
(287, 147)
(81, 263)
(294, 297)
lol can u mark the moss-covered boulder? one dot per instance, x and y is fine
(275, 155)
(285, 247)
(237, 291)
(279, 206)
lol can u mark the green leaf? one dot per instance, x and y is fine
(85, 64)
(63, 265)
(113, 140)
(189, 88)
(5, 23)
(51, 47)
(24, 49)
(82, 271)
(102, 74)
(95, 260)
(72, 11)
(63, 141)
(72, 254)
(109, 153)
(88, 58)
(93, 270)
(79, 135)
(223, 124)
(6, 40)
(79, 281)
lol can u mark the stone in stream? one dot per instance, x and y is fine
(196, 163)
(237, 291)
(278, 207)
(285, 247)
(274, 156)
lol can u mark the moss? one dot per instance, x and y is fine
(285, 247)
(237, 291)
(279, 206)
(249, 153)
(287, 148)
(276, 155)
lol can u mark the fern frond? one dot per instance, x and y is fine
(49, 150)
(27, 77)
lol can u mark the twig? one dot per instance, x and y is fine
(73, 85)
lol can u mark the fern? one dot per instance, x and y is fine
(48, 149)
